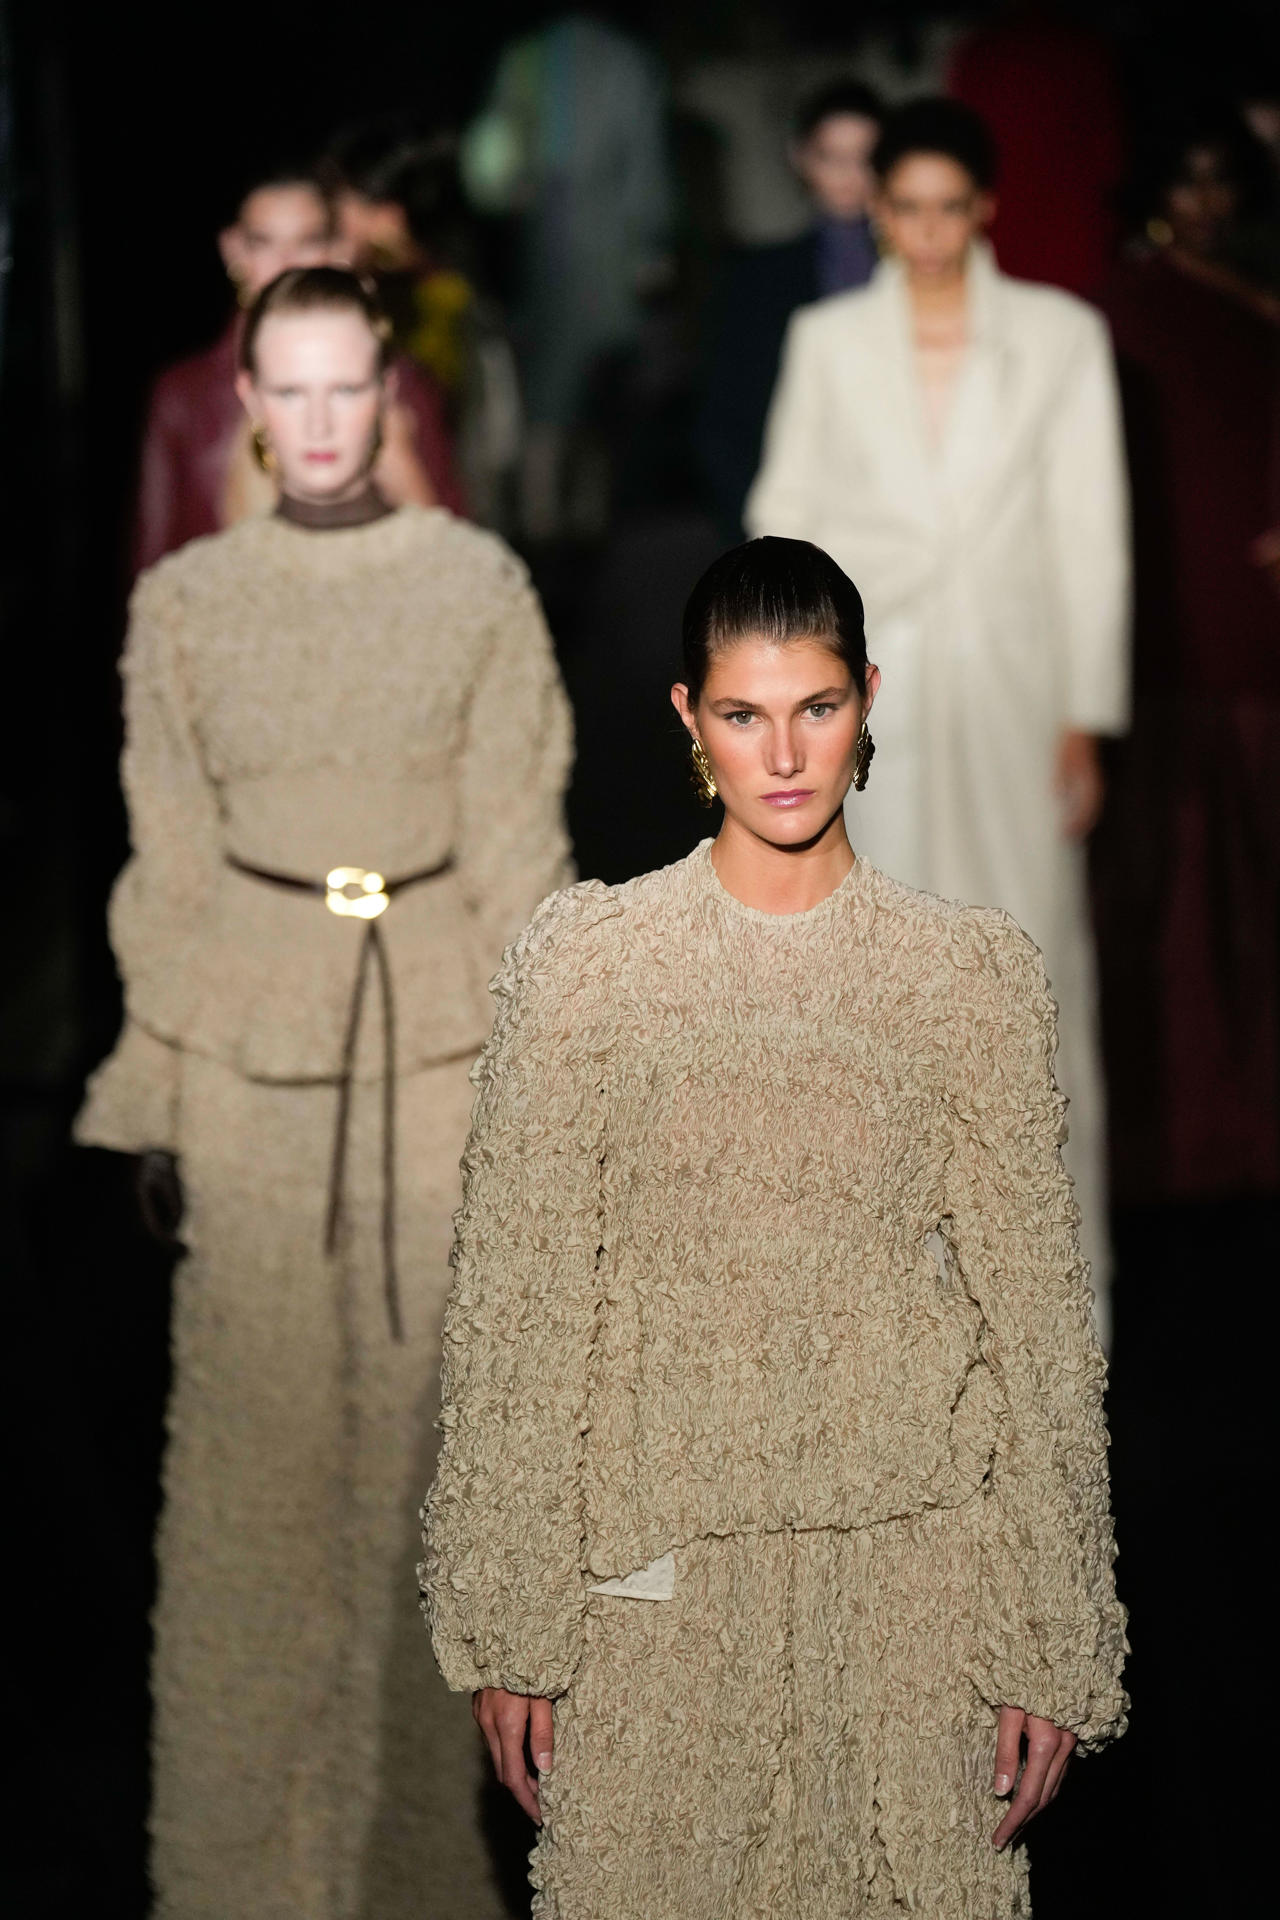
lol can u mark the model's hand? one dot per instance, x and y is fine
(1048, 1749)
(505, 1719)
(1078, 783)
(161, 1201)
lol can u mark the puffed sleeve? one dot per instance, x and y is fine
(503, 1575)
(513, 849)
(1052, 1631)
(161, 899)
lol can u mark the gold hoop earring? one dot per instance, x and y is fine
(704, 781)
(862, 762)
(263, 452)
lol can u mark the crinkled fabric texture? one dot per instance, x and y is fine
(697, 1294)
(382, 697)
(795, 1734)
(309, 1764)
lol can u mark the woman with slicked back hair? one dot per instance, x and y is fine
(771, 1531)
(346, 747)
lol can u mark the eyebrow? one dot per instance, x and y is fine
(810, 700)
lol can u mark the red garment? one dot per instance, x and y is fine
(1188, 858)
(191, 429)
(1049, 94)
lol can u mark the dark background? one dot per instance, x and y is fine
(122, 131)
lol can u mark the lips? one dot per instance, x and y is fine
(788, 796)
(320, 458)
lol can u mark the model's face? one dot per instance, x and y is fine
(372, 233)
(1202, 204)
(780, 727)
(278, 228)
(835, 164)
(317, 394)
(929, 211)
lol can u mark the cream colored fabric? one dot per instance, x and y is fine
(657, 1581)
(697, 1299)
(378, 697)
(994, 567)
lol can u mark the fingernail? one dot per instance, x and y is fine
(543, 1762)
(1003, 1783)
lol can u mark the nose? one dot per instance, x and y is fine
(318, 415)
(782, 751)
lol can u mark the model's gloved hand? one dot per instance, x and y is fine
(160, 1197)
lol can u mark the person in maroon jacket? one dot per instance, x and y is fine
(197, 472)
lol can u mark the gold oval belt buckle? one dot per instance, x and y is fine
(355, 893)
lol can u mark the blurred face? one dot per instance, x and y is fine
(780, 727)
(372, 233)
(930, 210)
(317, 395)
(279, 227)
(1202, 204)
(834, 163)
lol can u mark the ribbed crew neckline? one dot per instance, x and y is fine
(702, 862)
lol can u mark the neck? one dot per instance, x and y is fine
(939, 292)
(357, 510)
(781, 879)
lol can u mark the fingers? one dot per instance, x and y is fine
(1048, 1750)
(1008, 1749)
(541, 1736)
(504, 1721)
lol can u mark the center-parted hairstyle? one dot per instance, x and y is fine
(318, 290)
(777, 590)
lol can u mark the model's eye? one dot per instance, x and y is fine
(741, 718)
(820, 709)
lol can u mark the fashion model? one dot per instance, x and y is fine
(772, 1506)
(346, 746)
(952, 437)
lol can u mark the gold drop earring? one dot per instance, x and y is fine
(704, 781)
(862, 760)
(263, 452)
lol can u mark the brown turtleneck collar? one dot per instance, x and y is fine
(322, 517)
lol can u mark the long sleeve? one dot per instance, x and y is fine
(1087, 528)
(1053, 1629)
(512, 843)
(503, 1576)
(161, 899)
(784, 498)
(160, 480)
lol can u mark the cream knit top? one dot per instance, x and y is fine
(696, 1291)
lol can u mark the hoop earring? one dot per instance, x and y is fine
(704, 781)
(264, 453)
(862, 763)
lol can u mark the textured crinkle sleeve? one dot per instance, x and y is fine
(503, 1573)
(513, 844)
(160, 903)
(1052, 1637)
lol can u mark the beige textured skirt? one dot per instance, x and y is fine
(793, 1735)
(309, 1762)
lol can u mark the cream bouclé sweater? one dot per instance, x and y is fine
(697, 1294)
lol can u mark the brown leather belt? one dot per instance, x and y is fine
(355, 893)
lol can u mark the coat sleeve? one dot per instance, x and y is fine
(503, 1582)
(1051, 1631)
(784, 496)
(1087, 528)
(512, 844)
(161, 900)
(159, 482)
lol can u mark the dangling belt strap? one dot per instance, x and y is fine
(354, 893)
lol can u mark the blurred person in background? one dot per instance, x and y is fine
(1046, 86)
(1189, 865)
(952, 437)
(835, 131)
(572, 142)
(197, 471)
(402, 218)
(334, 683)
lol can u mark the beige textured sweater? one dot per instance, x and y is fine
(381, 697)
(697, 1293)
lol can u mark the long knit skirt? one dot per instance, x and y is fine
(794, 1734)
(309, 1762)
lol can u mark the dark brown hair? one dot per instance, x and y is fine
(782, 590)
(318, 290)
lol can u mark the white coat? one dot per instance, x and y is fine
(994, 566)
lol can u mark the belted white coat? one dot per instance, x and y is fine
(994, 564)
